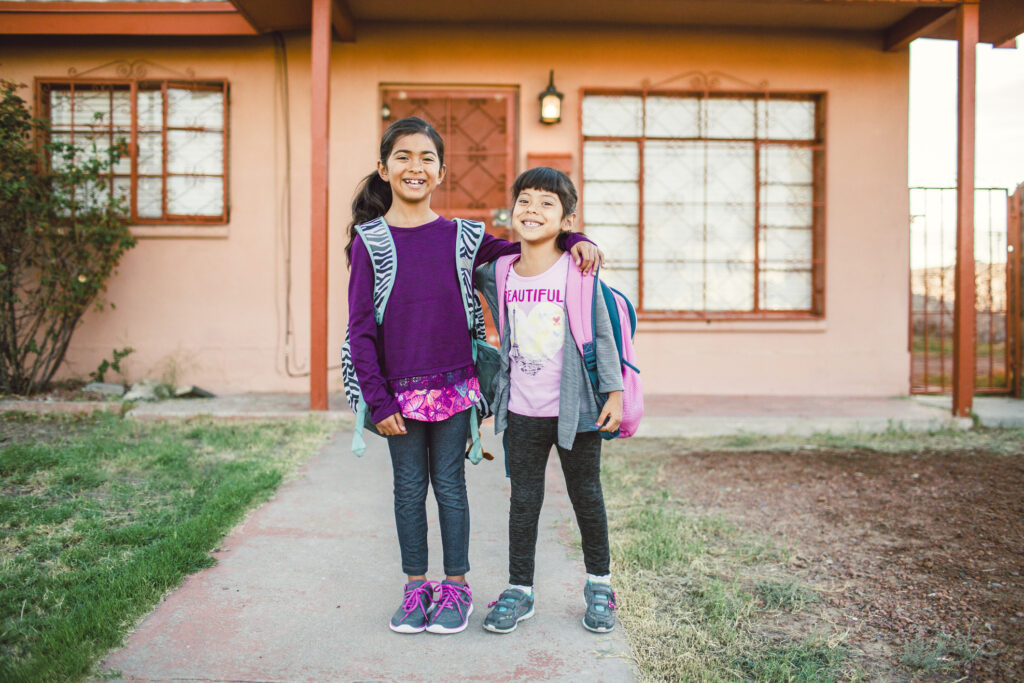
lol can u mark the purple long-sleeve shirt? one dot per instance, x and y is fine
(423, 341)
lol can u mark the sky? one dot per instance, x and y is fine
(999, 148)
(999, 125)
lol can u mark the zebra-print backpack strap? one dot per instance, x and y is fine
(348, 376)
(376, 236)
(384, 257)
(479, 326)
(467, 243)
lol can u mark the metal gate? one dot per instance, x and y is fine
(1015, 329)
(932, 294)
(479, 130)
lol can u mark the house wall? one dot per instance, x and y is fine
(210, 305)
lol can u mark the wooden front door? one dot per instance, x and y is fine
(479, 130)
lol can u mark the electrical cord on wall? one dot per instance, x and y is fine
(281, 64)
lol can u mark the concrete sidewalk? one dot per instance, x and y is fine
(665, 415)
(689, 415)
(304, 587)
(716, 415)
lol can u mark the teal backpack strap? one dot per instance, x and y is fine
(358, 443)
(476, 451)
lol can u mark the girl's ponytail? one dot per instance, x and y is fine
(372, 200)
(373, 194)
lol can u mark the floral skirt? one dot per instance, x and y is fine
(434, 405)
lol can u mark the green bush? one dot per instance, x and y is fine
(62, 233)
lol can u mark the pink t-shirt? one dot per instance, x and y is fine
(535, 311)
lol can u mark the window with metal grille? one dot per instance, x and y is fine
(708, 205)
(176, 170)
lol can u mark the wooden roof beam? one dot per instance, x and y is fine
(920, 22)
(1001, 22)
(296, 15)
(342, 21)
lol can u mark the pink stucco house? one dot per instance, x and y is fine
(742, 163)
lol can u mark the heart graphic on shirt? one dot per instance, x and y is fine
(537, 336)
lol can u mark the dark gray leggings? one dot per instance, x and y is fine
(529, 442)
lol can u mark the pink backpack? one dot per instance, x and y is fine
(581, 292)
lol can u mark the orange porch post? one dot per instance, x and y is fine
(963, 308)
(320, 57)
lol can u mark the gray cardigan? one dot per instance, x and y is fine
(578, 407)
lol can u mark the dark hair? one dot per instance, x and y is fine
(549, 180)
(373, 193)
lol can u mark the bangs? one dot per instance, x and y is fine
(547, 180)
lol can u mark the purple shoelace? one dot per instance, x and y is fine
(450, 596)
(413, 601)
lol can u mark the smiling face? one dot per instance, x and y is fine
(537, 216)
(413, 169)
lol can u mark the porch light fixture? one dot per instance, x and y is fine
(501, 217)
(550, 102)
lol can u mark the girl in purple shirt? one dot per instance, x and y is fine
(416, 370)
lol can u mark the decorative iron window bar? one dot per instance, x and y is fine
(176, 171)
(697, 206)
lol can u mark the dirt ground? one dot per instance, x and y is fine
(902, 547)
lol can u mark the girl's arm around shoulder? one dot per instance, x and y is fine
(584, 252)
(492, 247)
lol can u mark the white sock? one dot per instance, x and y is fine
(606, 579)
(526, 589)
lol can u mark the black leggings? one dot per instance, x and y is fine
(529, 442)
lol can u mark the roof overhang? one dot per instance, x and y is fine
(897, 22)
(123, 18)
(290, 15)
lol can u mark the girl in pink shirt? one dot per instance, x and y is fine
(544, 398)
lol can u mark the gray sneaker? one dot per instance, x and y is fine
(452, 609)
(417, 604)
(512, 607)
(600, 616)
